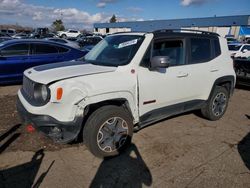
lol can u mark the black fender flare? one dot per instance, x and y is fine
(222, 80)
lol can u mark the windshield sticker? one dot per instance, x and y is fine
(128, 43)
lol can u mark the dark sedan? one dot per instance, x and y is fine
(89, 40)
(18, 55)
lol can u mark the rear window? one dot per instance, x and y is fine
(200, 50)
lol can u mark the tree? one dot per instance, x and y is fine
(113, 19)
(58, 25)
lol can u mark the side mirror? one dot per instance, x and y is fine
(245, 50)
(160, 62)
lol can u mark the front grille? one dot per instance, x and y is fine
(28, 88)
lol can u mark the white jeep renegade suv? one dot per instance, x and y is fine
(126, 82)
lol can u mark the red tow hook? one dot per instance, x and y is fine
(30, 128)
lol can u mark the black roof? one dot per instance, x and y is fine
(184, 32)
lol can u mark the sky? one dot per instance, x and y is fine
(81, 14)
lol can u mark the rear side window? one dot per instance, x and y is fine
(10, 31)
(200, 50)
(44, 49)
(73, 31)
(14, 50)
(217, 50)
(62, 49)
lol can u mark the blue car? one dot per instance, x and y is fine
(19, 55)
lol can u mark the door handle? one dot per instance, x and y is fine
(181, 75)
(214, 70)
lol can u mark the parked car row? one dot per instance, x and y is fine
(19, 52)
(81, 41)
(18, 55)
(9, 32)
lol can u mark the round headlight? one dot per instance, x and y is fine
(41, 93)
(44, 92)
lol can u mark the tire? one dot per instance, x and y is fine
(64, 36)
(108, 131)
(217, 104)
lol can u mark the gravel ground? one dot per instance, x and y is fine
(184, 151)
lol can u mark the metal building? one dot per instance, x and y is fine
(224, 25)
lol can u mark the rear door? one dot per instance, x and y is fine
(203, 68)
(13, 60)
(43, 54)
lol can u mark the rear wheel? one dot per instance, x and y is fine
(108, 131)
(217, 104)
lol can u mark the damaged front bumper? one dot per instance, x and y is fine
(61, 132)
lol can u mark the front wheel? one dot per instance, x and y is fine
(217, 104)
(108, 131)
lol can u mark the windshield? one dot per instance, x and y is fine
(234, 47)
(114, 50)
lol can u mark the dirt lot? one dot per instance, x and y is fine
(184, 151)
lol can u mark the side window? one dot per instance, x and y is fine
(72, 31)
(14, 50)
(217, 50)
(44, 49)
(200, 50)
(62, 49)
(171, 48)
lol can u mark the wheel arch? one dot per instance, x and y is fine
(126, 102)
(226, 81)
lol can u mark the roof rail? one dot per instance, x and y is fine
(187, 31)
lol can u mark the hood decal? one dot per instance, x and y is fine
(58, 65)
(59, 71)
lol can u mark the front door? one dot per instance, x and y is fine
(13, 59)
(162, 91)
